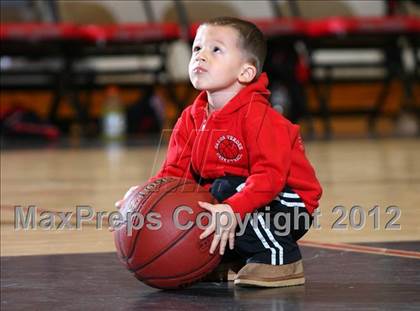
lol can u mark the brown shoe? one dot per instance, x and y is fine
(264, 275)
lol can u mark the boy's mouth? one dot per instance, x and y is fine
(199, 69)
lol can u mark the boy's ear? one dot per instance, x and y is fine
(248, 73)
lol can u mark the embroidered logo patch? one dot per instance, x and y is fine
(229, 148)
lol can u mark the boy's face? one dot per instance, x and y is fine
(216, 60)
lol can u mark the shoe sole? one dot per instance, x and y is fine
(282, 283)
(231, 276)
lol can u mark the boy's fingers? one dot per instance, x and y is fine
(130, 191)
(231, 240)
(118, 203)
(214, 243)
(223, 242)
(209, 230)
(205, 205)
(126, 195)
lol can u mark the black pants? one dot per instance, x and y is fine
(270, 234)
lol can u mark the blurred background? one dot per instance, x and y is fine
(88, 72)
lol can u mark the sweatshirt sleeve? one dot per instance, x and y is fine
(268, 140)
(178, 157)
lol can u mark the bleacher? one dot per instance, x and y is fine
(68, 58)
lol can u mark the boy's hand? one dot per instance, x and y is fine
(225, 226)
(119, 203)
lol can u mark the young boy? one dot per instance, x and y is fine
(250, 157)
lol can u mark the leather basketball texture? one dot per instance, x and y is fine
(169, 255)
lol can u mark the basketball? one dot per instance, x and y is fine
(165, 251)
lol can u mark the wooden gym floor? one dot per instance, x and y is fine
(372, 267)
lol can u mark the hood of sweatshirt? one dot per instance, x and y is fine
(255, 91)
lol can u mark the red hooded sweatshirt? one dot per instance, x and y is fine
(248, 138)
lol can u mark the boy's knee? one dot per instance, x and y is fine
(224, 187)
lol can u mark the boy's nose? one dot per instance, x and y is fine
(201, 57)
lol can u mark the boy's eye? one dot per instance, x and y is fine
(196, 49)
(216, 49)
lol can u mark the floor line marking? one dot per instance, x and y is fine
(362, 249)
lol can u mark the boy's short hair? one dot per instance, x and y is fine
(251, 39)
